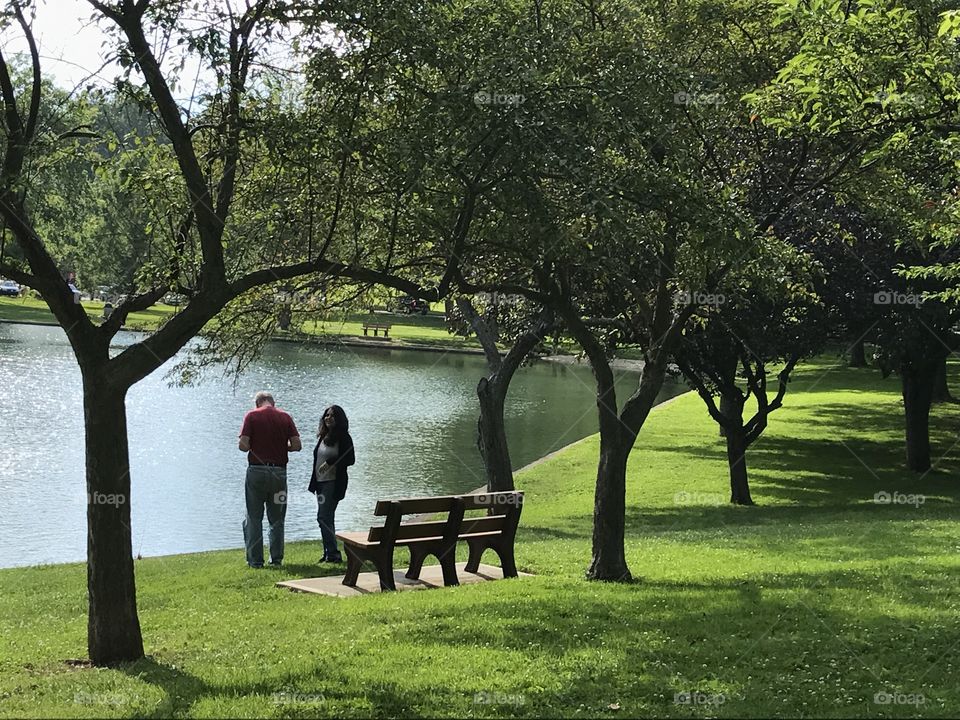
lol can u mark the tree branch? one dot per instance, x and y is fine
(484, 333)
(209, 222)
(691, 375)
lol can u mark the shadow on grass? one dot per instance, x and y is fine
(859, 452)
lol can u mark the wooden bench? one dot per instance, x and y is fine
(376, 327)
(495, 531)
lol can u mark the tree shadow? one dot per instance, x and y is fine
(761, 642)
(847, 462)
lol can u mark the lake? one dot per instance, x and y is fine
(413, 416)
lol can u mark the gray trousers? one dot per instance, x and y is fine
(266, 487)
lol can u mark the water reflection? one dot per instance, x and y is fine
(413, 417)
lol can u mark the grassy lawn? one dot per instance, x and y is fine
(426, 330)
(808, 605)
(33, 310)
(419, 329)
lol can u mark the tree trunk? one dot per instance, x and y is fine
(728, 408)
(609, 561)
(941, 389)
(858, 355)
(492, 438)
(917, 397)
(729, 364)
(737, 460)
(736, 451)
(113, 630)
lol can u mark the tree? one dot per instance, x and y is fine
(898, 111)
(527, 333)
(648, 180)
(763, 318)
(205, 255)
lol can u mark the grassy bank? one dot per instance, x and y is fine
(810, 604)
(32, 310)
(417, 329)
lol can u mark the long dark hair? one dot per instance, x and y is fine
(340, 426)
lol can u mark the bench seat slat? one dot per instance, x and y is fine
(360, 538)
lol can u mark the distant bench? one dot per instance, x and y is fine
(495, 531)
(377, 327)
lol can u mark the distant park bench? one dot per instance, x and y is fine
(495, 531)
(376, 327)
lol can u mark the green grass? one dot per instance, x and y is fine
(33, 310)
(419, 329)
(807, 605)
(416, 329)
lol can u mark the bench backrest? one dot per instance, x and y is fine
(443, 503)
(504, 509)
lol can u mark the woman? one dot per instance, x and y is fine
(331, 457)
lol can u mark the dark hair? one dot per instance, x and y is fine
(340, 427)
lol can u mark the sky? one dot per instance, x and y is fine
(70, 43)
(72, 46)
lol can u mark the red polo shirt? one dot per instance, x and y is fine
(269, 429)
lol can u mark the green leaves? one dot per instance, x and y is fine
(949, 24)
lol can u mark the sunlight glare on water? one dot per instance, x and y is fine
(413, 417)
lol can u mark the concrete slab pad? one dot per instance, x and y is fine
(369, 582)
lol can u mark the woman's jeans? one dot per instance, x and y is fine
(326, 508)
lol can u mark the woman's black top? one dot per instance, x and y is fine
(345, 457)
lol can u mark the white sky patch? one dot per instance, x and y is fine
(71, 44)
(76, 51)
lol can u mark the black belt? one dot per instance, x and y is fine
(256, 464)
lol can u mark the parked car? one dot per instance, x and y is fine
(411, 305)
(173, 299)
(8, 288)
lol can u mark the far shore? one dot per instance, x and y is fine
(355, 341)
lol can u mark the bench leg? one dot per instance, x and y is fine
(416, 562)
(385, 570)
(477, 546)
(386, 333)
(365, 331)
(507, 562)
(354, 563)
(448, 563)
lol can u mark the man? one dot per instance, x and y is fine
(267, 435)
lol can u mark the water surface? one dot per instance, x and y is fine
(413, 417)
